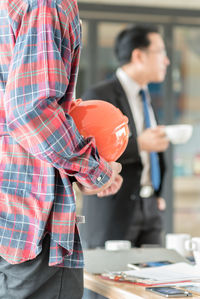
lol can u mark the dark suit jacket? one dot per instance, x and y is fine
(109, 218)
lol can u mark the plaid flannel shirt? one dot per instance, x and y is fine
(40, 147)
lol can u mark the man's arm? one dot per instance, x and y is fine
(42, 75)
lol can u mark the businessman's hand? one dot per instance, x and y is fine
(153, 140)
(161, 203)
(111, 187)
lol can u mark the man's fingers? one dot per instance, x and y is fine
(116, 167)
(86, 190)
(119, 166)
(113, 188)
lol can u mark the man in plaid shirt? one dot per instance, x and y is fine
(41, 151)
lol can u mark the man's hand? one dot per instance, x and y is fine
(111, 187)
(153, 140)
(161, 203)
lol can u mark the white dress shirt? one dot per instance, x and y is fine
(132, 90)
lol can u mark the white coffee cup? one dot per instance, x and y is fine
(194, 246)
(178, 133)
(177, 242)
(117, 245)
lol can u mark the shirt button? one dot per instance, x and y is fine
(99, 179)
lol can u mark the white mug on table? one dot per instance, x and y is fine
(177, 242)
(194, 246)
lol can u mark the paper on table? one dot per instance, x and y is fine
(168, 273)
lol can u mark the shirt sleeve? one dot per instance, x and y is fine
(41, 80)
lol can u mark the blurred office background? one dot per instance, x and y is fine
(177, 99)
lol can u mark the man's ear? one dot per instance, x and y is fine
(137, 56)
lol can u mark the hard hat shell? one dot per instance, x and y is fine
(105, 123)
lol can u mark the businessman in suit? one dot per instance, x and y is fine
(134, 213)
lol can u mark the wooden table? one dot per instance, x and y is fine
(117, 290)
(100, 261)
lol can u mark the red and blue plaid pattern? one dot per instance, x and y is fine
(40, 147)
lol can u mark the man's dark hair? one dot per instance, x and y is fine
(134, 37)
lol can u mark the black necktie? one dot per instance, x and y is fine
(155, 167)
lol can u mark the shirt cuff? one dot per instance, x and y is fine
(95, 177)
(102, 174)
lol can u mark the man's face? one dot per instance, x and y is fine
(155, 59)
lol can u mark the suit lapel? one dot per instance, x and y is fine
(123, 105)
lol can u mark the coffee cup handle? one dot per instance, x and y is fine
(194, 246)
(189, 245)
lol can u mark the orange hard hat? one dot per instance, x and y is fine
(105, 123)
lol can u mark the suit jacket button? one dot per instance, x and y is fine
(133, 197)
